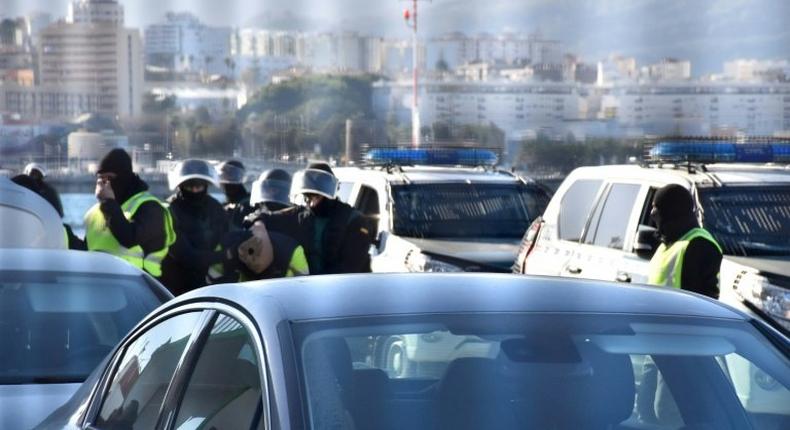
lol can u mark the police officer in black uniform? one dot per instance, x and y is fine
(336, 237)
(237, 203)
(196, 258)
(269, 194)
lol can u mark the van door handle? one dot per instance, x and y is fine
(573, 270)
(623, 277)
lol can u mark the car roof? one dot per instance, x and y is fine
(64, 260)
(339, 296)
(732, 174)
(426, 174)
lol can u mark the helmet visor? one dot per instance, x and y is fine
(230, 174)
(270, 190)
(319, 182)
(192, 169)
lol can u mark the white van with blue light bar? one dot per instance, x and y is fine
(597, 223)
(441, 209)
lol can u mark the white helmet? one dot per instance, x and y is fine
(35, 166)
(272, 186)
(192, 169)
(319, 179)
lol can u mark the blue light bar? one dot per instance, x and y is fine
(723, 152)
(433, 157)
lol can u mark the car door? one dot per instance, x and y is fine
(607, 238)
(195, 369)
(563, 228)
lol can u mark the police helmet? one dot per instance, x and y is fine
(319, 179)
(231, 172)
(192, 169)
(37, 167)
(272, 186)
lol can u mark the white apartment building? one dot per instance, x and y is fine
(457, 48)
(513, 107)
(701, 109)
(751, 70)
(94, 11)
(670, 70)
(83, 68)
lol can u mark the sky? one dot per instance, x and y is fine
(707, 32)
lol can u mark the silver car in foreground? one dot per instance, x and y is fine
(498, 352)
(61, 313)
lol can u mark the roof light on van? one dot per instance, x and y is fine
(723, 152)
(433, 157)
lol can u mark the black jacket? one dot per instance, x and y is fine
(147, 226)
(344, 243)
(200, 226)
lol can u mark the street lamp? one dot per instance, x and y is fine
(410, 16)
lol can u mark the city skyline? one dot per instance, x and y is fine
(707, 33)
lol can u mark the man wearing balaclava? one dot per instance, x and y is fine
(231, 180)
(196, 258)
(336, 237)
(688, 257)
(128, 221)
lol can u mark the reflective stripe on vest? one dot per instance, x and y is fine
(666, 266)
(100, 238)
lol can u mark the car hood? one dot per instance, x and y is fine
(24, 406)
(500, 253)
(766, 265)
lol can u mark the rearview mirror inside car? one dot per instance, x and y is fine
(646, 241)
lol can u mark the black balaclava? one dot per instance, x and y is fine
(675, 209)
(273, 206)
(31, 184)
(125, 184)
(234, 192)
(324, 208)
(191, 198)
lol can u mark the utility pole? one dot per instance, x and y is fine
(411, 15)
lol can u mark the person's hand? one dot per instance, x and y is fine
(104, 189)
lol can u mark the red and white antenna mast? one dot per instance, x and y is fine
(411, 21)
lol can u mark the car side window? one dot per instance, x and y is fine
(224, 389)
(141, 380)
(613, 222)
(575, 208)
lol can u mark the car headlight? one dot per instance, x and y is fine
(771, 299)
(419, 262)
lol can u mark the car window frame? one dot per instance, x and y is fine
(180, 379)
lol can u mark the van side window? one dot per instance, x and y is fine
(367, 201)
(575, 208)
(613, 223)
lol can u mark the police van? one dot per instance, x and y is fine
(598, 223)
(441, 209)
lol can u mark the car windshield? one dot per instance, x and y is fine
(55, 327)
(541, 371)
(749, 220)
(465, 210)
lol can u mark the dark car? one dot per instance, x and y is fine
(523, 353)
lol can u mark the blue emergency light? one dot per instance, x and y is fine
(432, 157)
(721, 152)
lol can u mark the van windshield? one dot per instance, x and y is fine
(749, 220)
(464, 210)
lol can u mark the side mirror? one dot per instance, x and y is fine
(646, 241)
(378, 244)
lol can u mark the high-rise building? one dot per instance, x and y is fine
(95, 11)
(84, 68)
(182, 43)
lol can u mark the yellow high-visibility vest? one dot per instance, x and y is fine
(100, 238)
(666, 266)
